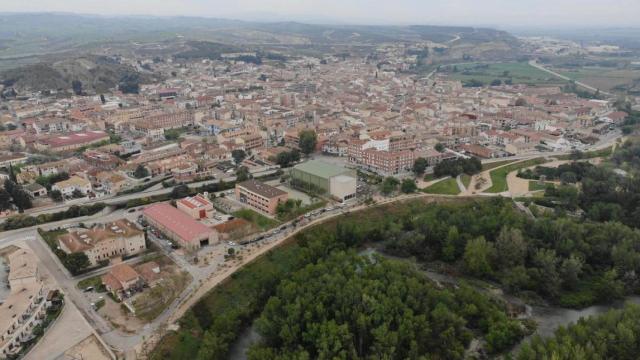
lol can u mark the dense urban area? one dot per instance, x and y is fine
(235, 190)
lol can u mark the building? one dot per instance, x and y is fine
(71, 141)
(9, 160)
(260, 196)
(67, 187)
(105, 241)
(122, 281)
(25, 306)
(324, 178)
(35, 190)
(179, 227)
(198, 207)
(387, 162)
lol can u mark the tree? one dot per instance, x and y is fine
(238, 155)
(439, 147)
(76, 262)
(77, 194)
(141, 172)
(76, 85)
(5, 200)
(242, 174)
(308, 141)
(408, 186)
(56, 195)
(102, 99)
(389, 185)
(21, 199)
(180, 191)
(511, 248)
(478, 256)
(521, 102)
(129, 83)
(420, 165)
(496, 82)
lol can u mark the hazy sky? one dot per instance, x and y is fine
(505, 13)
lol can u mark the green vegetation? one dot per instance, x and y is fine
(389, 185)
(308, 141)
(76, 263)
(174, 134)
(458, 166)
(466, 180)
(419, 166)
(577, 155)
(481, 74)
(22, 221)
(493, 165)
(536, 186)
(499, 176)
(99, 304)
(613, 335)
(94, 281)
(605, 78)
(444, 187)
(408, 186)
(291, 209)
(353, 307)
(261, 221)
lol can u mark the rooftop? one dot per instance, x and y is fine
(321, 169)
(177, 222)
(261, 189)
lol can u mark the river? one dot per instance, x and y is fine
(548, 318)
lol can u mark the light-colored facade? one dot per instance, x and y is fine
(259, 196)
(67, 187)
(319, 176)
(105, 241)
(198, 207)
(25, 307)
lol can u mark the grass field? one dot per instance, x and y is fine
(466, 180)
(606, 152)
(499, 176)
(517, 72)
(445, 187)
(534, 185)
(261, 221)
(494, 165)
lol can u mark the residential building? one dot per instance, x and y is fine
(67, 187)
(25, 306)
(122, 281)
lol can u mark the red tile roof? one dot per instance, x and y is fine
(177, 222)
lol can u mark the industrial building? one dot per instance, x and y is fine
(179, 227)
(324, 178)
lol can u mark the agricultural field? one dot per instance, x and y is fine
(605, 78)
(516, 72)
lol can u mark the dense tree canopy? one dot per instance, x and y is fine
(307, 141)
(355, 307)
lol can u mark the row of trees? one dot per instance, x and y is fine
(15, 192)
(458, 166)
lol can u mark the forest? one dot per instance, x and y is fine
(559, 260)
(613, 335)
(356, 307)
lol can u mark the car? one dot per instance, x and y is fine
(88, 289)
(131, 210)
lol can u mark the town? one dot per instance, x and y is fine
(123, 207)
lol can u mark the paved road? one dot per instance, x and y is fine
(563, 77)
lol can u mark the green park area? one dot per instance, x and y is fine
(499, 175)
(444, 187)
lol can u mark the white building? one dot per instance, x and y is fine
(67, 187)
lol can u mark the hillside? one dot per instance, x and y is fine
(96, 73)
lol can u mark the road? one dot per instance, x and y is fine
(563, 77)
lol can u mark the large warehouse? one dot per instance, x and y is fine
(324, 178)
(179, 227)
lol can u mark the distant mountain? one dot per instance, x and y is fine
(24, 35)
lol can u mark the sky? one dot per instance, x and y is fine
(496, 13)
